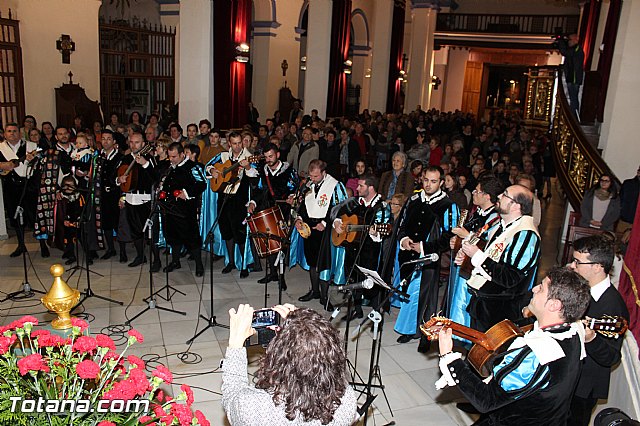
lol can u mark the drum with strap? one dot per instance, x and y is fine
(268, 230)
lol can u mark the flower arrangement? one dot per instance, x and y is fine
(81, 380)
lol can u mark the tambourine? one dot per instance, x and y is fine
(305, 231)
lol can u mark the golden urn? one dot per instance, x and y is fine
(60, 299)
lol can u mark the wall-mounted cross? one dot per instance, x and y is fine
(65, 45)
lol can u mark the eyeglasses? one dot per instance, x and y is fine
(504, 194)
(395, 204)
(476, 191)
(579, 262)
(605, 180)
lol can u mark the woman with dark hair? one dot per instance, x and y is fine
(302, 378)
(360, 168)
(454, 192)
(600, 206)
(28, 123)
(136, 118)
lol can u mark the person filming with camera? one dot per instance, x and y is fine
(302, 378)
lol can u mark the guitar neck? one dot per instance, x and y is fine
(475, 336)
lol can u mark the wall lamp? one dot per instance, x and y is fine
(243, 53)
(347, 66)
(303, 63)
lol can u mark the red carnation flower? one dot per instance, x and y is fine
(146, 420)
(159, 412)
(39, 332)
(135, 333)
(202, 420)
(111, 355)
(106, 423)
(139, 380)
(124, 389)
(77, 322)
(6, 342)
(183, 413)
(187, 390)
(160, 396)
(85, 344)
(87, 369)
(27, 318)
(163, 373)
(134, 360)
(32, 362)
(50, 340)
(105, 342)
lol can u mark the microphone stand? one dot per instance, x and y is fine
(151, 300)
(27, 291)
(211, 320)
(279, 263)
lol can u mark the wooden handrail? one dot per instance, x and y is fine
(507, 24)
(578, 164)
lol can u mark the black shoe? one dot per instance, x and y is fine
(356, 313)
(406, 338)
(18, 251)
(244, 273)
(123, 258)
(137, 262)
(199, 271)
(424, 346)
(309, 296)
(230, 267)
(108, 255)
(70, 260)
(268, 279)
(467, 408)
(326, 305)
(284, 285)
(172, 266)
(155, 267)
(44, 251)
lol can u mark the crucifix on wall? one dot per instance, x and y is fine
(65, 45)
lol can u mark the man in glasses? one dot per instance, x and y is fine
(504, 271)
(593, 259)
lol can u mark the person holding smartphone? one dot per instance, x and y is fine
(302, 378)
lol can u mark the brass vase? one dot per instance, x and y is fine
(60, 299)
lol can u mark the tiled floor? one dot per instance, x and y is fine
(407, 375)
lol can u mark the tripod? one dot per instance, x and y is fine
(151, 300)
(279, 264)
(211, 321)
(26, 291)
(85, 218)
(85, 249)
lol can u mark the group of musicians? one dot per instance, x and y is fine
(129, 195)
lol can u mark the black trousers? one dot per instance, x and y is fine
(581, 411)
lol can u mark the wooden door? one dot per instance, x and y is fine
(472, 87)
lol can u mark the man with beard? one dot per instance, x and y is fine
(13, 182)
(137, 201)
(424, 228)
(372, 209)
(481, 222)
(278, 182)
(505, 269)
(108, 163)
(182, 188)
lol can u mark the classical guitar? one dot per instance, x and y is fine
(18, 161)
(228, 172)
(487, 346)
(125, 169)
(352, 228)
(475, 239)
(461, 221)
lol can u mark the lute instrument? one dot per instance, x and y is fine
(475, 239)
(487, 346)
(461, 221)
(353, 227)
(125, 169)
(17, 161)
(228, 172)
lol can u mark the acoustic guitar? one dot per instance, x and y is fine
(352, 229)
(17, 161)
(461, 221)
(487, 346)
(228, 173)
(125, 169)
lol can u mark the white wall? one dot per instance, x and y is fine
(621, 149)
(42, 22)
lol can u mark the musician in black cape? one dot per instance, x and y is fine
(180, 193)
(371, 208)
(277, 184)
(108, 162)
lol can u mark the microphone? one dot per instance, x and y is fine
(366, 284)
(432, 257)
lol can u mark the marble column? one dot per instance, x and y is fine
(420, 69)
(383, 13)
(318, 45)
(196, 61)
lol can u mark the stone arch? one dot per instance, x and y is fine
(264, 10)
(303, 11)
(360, 27)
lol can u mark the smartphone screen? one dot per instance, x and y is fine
(264, 318)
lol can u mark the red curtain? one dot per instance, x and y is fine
(394, 86)
(588, 30)
(232, 20)
(606, 57)
(630, 278)
(339, 53)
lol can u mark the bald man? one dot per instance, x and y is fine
(505, 269)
